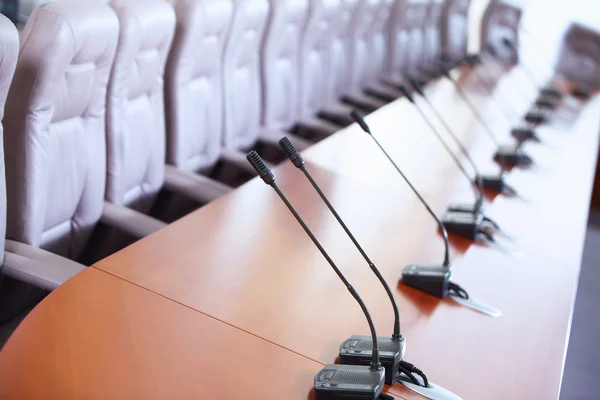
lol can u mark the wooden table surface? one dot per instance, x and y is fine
(244, 262)
(99, 337)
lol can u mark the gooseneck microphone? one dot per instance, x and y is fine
(523, 133)
(474, 60)
(431, 279)
(534, 116)
(505, 155)
(362, 123)
(354, 349)
(548, 95)
(477, 188)
(552, 91)
(296, 158)
(491, 182)
(335, 381)
(473, 109)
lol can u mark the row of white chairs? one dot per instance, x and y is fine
(112, 103)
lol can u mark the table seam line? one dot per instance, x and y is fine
(208, 315)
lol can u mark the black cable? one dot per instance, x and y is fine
(409, 375)
(406, 366)
(423, 376)
(459, 291)
(492, 223)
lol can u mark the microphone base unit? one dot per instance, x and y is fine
(512, 156)
(536, 117)
(551, 91)
(430, 74)
(464, 224)
(546, 102)
(581, 93)
(524, 134)
(465, 208)
(431, 279)
(349, 382)
(358, 350)
(495, 183)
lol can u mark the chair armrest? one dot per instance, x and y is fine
(238, 159)
(194, 186)
(37, 267)
(318, 126)
(272, 137)
(130, 221)
(364, 101)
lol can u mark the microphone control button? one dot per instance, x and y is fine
(329, 374)
(353, 343)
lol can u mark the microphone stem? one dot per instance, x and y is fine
(491, 93)
(375, 364)
(545, 57)
(531, 76)
(397, 335)
(440, 224)
(475, 112)
(521, 93)
(478, 195)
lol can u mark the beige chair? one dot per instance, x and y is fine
(455, 31)
(501, 21)
(55, 137)
(579, 59)
(432, 34)
(251, 118)
(376, 47)
(135, 114)
(406, 38)
(9, 53)
(194, 96)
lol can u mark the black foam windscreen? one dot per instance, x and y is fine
(261, 168)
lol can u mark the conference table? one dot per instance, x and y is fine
(233, 301)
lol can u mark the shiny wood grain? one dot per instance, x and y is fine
(244, 260)
(98, 337)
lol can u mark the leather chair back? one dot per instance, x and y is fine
(341, 66)
(455, 30)
(54, 137)
(241, 73)
(406, 37)
(280, 59)
(9, 53)
(432, 33)
(135, 104)
(194, 83)
(378, 40)
(579, 59)
(362, 26)
(501, 21)
(316, 56)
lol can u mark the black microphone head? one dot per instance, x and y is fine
(291, 151)
(417, 86)
(473, 59)
(444, 71)
(406, 92)
(261, 168)
(360, 121)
